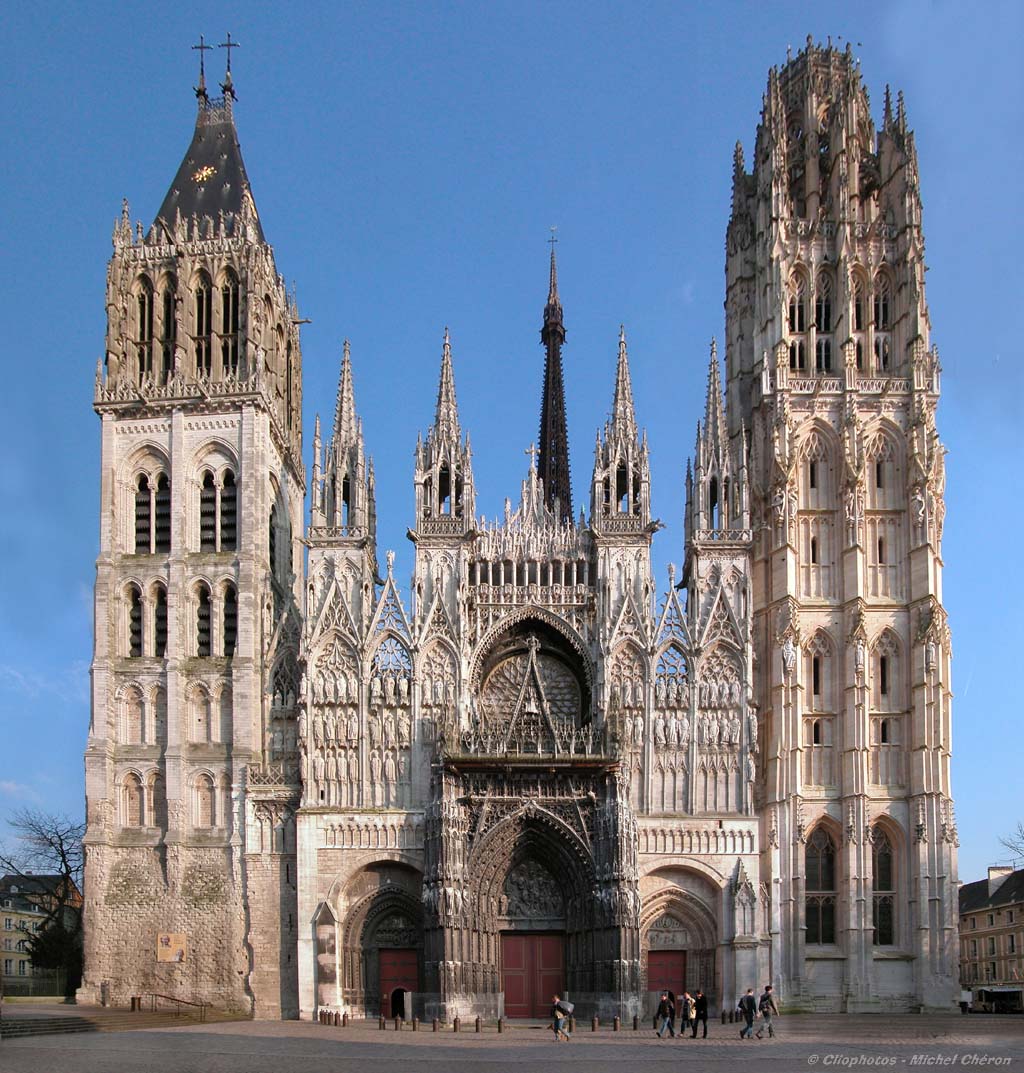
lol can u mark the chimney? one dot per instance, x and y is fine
(997, 876)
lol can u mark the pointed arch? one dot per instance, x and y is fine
(822, 883)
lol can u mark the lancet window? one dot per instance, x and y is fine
(883, 877)
(823, 324)
(797, 322)
(144, 329)
(820, 888)
(202, 314)
(229, 325)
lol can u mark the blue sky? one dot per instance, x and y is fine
(407, 161)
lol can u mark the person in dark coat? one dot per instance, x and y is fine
(665, 1016)
(700, 1012)
(747, 1005)
(560, 1014)
(766, 1008)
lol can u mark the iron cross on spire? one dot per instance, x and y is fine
(202, 48)
(552, 240)
(229, 45)
(532, 452)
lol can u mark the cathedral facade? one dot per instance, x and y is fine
(540, 769)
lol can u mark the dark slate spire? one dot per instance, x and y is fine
(211, 179)
(553, 464)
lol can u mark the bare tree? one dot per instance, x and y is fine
(48, 859)
(1014, 841)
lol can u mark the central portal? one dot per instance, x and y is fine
(532, 970)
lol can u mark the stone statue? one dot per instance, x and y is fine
(788, 655)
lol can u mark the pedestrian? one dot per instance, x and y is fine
(687, 1014)
(561, 1010)
(700, 1012)
(665, 1015)
(747, 1005)
(766, 1008)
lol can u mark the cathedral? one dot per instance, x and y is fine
(538, 768)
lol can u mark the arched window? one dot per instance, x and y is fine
(272, 541)
(143, 516)
(134, 621)
(144, 329)
(159, 704)
(199, 714)
(714, 508)
(823, 324)
(883, 297)
(444, 489)
(230, 621)
(132, 803)
(133, 733)
(859, 320)
(203, 621)
(229, 325)
(208, 513)
(156, 801)
(228, 512)
(882, 323)
(797, 322)
(159, 621)
(884, 883)
(820, 888)
(162, 515)
(224, 706)
(168, 326)
(202, 304)
(206, 802)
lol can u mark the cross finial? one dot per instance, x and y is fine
(229, 45)
(202, 48)
(532, 452)
(552, 240)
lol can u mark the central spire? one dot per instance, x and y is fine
(553, 464)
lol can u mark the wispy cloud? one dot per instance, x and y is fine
(18, 790)
(69, 684)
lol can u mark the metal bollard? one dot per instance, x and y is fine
(615, 1024)
(478, 1024)
(383, 1024)
(398, 1024)
(501, 1026)
(344, 1020)
(594, 1023)
(337, 1019)
(456, 1024)
(723, 1017)
(434, 1024)
(636, 1022)
(572, 1024)
(415, 1024)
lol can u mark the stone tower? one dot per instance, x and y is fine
(191, 772)
(832, 389)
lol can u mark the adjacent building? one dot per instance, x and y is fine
(992, 939)
(540, 768)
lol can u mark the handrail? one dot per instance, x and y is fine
(178, 1002)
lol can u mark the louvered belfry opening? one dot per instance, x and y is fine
(230, 620)
(208, 514)
(143, 515)
(162, 521)
(229, 513)
(203, 622)
(160, 623)
(134, 622)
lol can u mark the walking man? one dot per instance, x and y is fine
(560, 1013)
(766, 1007)
(700, 1012)
(747, 1005)
(665, 1015)
(687, 1014)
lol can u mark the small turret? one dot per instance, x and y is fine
(443, 474)
(621, 487)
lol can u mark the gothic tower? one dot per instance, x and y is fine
(832, 382)
(190, 765)
(553, 461)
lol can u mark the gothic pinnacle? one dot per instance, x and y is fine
(345, 427)
(623, 414)
(446, 417)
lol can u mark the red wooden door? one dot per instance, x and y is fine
(532, 970)
(666, 971)
(398, 969)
